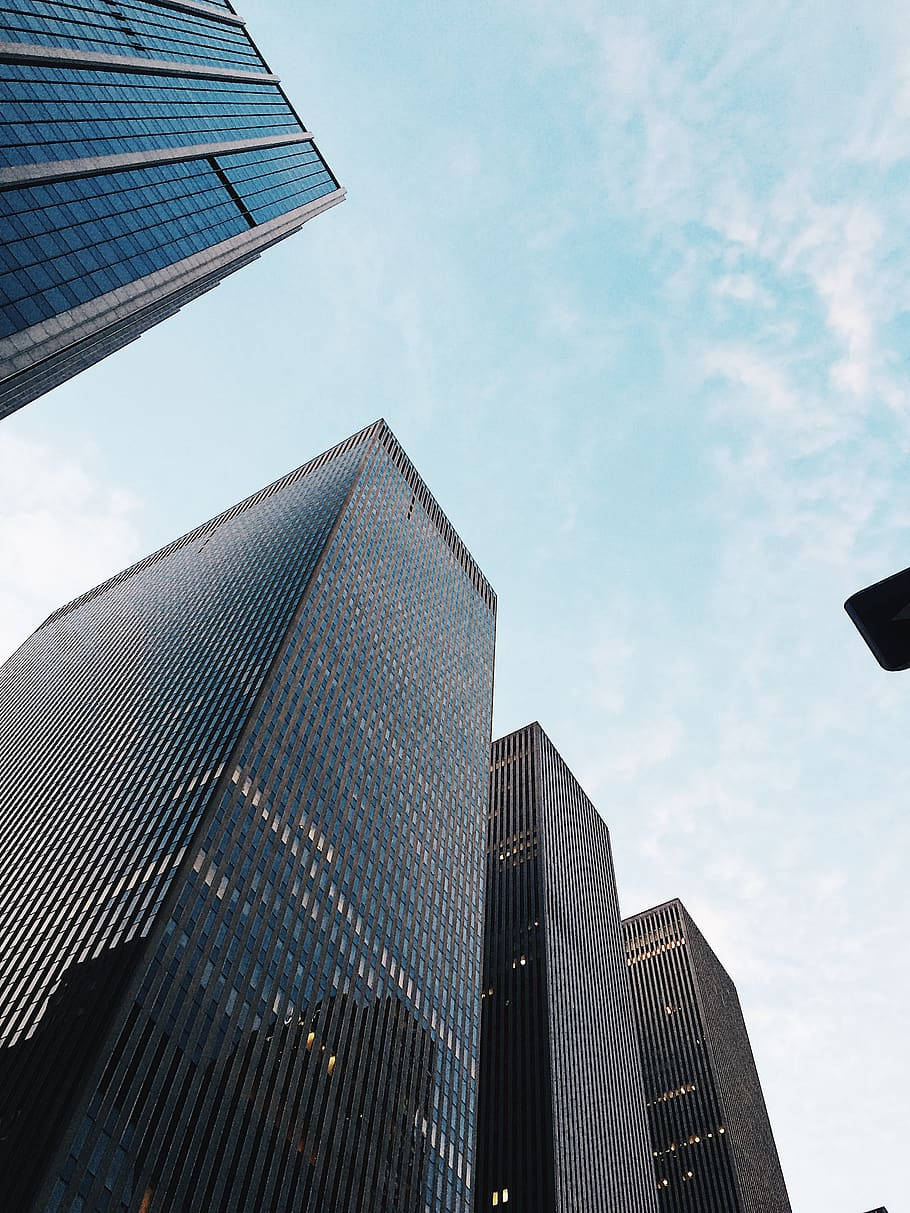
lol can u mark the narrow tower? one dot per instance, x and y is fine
(711, 1138)
(146, 151)
(561, 1123)
(241, 857)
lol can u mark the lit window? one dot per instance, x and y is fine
(495, 1198)
(331, 1065)
(505, 1196)
(309, 1040)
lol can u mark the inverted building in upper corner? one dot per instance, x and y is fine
(561, 1120)
(146, 151)
(242, 812)
(711, 1138)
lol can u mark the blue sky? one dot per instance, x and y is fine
(630, 283)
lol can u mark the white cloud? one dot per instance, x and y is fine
(62, 530)
(748, 787)
(741, 287)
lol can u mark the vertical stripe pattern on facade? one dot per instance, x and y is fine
(561, 1124)
(293, 1021)
(711, 1137)
(146, 151)
(515, 1115)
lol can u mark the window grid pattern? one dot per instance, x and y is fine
(748, 1124)
(515, 1098)
(72, 241)
(701, 1086)
(559, 1001)
(182, 225)
(305, 1032)
(118, 716)
(360, 794)
(70, 113)
(133, 28)
(597, 1083)
(275, 180)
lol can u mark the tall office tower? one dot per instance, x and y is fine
(711, 1139)
(147, 151)
(561, 1121)
(242, 811)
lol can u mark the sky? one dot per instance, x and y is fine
(630, 284)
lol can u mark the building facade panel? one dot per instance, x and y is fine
(711, 1138)
(515, 1163)
(129, 224)
(138, 142)
(751, 1138)
(561, 1124)
(141, 28)
(298, 1029)
(602, 1154)
(95, 113)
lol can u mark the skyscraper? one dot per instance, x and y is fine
(147, 151)
(241, 854)
(711, 1138)
(561, 1124)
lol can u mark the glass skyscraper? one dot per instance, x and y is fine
(561, 1119)
(711, 1138)
(242, 805)
(146, 151)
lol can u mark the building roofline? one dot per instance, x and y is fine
(379, 432)
(525, 728)
(395, 451)
(536, 732)
(689, 925)
(661, 905)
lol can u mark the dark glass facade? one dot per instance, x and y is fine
(146, 151)
(241, 853)
(561, 1123)
(711, 1138)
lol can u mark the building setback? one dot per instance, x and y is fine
(711, 1138)
(561, 1124)
(241, 857)
(146, 151)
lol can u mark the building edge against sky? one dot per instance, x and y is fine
(711, 1136)
(245, 902)
(142, 160)
(561, 1119)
